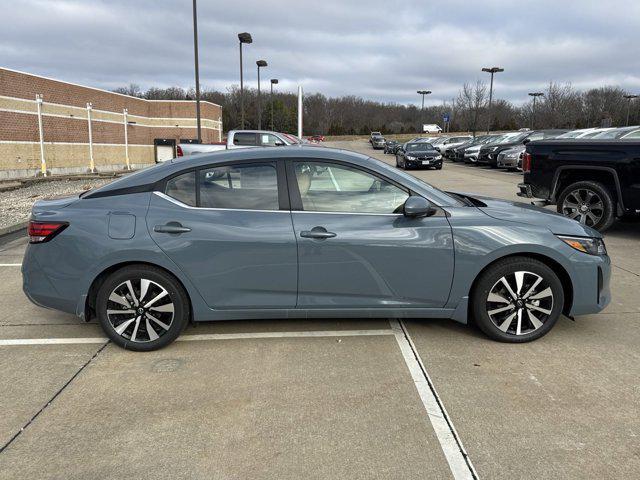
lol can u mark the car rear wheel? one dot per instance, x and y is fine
(517, 299)
(142, 308)
(590, 203)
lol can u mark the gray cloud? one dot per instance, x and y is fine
(377, 49)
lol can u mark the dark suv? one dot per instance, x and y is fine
(489, 154)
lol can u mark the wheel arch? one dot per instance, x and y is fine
(563, 275)
(565, 176)
(89, 307)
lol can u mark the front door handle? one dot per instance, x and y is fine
(171, 227)
(317, 232)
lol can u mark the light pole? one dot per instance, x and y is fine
(533, 112)
(423, 93)
(260, 63)
(629, 98)
(244, 38)
(491, 70)
(274, 81)
(195, 54)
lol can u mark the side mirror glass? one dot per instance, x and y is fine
(279, 143)
(416, 207)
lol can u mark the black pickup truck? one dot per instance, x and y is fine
(592, 181)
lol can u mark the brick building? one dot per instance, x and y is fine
(59, 127)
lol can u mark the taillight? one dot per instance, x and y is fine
(179, 151)
(526, 162)
(40, 232)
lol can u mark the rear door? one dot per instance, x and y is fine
(355, 247)
(228, 228)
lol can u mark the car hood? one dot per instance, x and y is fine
(531, 215)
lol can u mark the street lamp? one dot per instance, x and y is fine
(533, 112)
(195, 54)
(260, 63)
(274, 81)
(423, 93)
(244, 38)
(629, 98)
(491, 70)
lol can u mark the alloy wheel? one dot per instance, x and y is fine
(585, 206)
(520, 303)
(140, 310)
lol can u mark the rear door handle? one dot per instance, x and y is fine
(171, 227)
(317, 232)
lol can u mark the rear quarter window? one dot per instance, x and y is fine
(183, 188)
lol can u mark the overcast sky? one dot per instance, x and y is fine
(382, 50)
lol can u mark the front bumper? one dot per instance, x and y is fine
(591, 284)
(419, 164)
(506, 162)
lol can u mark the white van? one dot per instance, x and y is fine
(431, 128)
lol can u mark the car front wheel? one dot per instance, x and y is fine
(142, 308)
(517, 299)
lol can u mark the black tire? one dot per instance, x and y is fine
(439, 167)
(158, 279)
(578, 190)
(490, 280)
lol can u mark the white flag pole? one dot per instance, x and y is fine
(300, 111)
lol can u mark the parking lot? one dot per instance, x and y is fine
(326, 398)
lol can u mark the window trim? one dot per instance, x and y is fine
(281, 179)
(296, 199)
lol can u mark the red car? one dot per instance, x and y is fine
(316, 138)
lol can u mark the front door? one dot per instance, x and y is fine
(227, 230)
(356, 248)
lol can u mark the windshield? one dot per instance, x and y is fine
(573, 134)
(291, 138)
(413, 147)
(615, 133)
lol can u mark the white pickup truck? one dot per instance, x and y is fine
(240, 139)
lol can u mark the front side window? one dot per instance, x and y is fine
(183, 188)
(327, 187)
(245, 139)
(250, 187)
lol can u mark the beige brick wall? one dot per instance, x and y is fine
(66, 129)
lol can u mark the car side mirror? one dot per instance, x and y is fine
(416, 207)
(525, 141)
(279, 143)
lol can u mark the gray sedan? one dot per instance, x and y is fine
(304, 232)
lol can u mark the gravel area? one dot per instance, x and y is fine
(15, 205)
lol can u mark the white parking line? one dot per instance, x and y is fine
(205, 337)
(10, 264)
(452, 447)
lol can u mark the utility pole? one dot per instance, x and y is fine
(533, 111)
(244, 38)
(423, 93)
(492, 71)
(629, 98)
(260, 63)
(274, 81)
(195, 54)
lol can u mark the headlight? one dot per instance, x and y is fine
(410, 157)
(438, 157)
(592, 246)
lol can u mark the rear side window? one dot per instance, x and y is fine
(244, 139)
(249, 187)
(183, 188)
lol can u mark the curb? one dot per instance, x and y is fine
(13, 228)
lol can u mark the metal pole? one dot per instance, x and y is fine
(271, 107)
(92, 166)
(195, 53)
(490, 100)
(43, 162)
(628, 108)
(241, 92)
(126, 138)
(300, 111)
(259, 103)
(533, 113)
